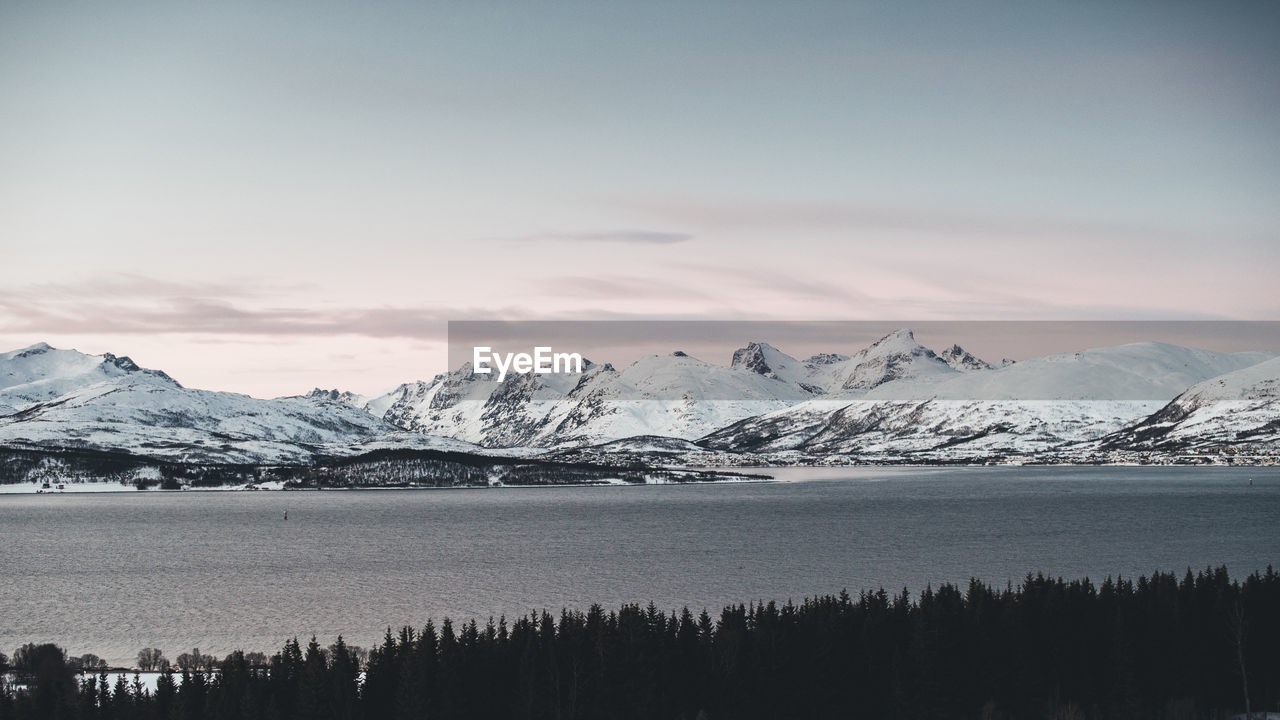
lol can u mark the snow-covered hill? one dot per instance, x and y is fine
(674, 395)
(892, 400)
(39, 373)
(1238, 408)
(66, 399)
(896, 357)
(1145, 371)
(914, 403)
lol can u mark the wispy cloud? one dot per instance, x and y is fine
(617, 286)
(139, 305)
(637, 237)
(772, 280)
(742, 213)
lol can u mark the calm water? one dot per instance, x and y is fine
(110, 574)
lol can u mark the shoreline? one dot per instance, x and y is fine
(732, 477)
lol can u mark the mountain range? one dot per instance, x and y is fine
(893, 401)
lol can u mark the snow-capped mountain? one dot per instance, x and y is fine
(345, 397)
(1238, 408)
(813, 375)
(895, 357)
(480, 409)
(962, 360)
(67, 399)
(1146, 371)
(915, 403)
(674, 395)
(892, 400)
(39, 373)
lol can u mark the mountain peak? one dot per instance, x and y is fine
(893, 357)
(963, 360)
(826, 359)
(124, 362)
(756, 357)
(763, 359)
(128, 366)
(896, 341)
(39, 348)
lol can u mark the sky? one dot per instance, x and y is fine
(269, 197)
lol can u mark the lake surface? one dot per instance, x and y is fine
(113, 573)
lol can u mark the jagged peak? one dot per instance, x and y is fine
(679, 353)
(756, 357)
(901, 335)
(826, 359)
(752, 357)
(895, 356)
(755, 347)
(898, 342)
(124, 362)
(961, 359)
(39, 348)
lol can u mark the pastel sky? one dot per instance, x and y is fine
(267, 197)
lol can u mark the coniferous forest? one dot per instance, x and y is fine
(1169, 647)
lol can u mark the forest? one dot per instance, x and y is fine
(377, 468)
(1203, 645)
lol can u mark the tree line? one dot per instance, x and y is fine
(1163, 647)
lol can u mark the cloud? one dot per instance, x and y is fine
(637, 237)
(617, 286)
(778, 215)
(773, 280)
(139, 305)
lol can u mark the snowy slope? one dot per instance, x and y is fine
(675, 395)
(39, 373)
(937, 411)
(1238, 408)
(355, 400)
(895, 398)
(672, 395)
(1136, 372)
(480, 409)
(62, 398)
(763, 359)
(896, 357)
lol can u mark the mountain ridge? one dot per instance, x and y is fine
(894, 399)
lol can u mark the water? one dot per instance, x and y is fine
(110, 574)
